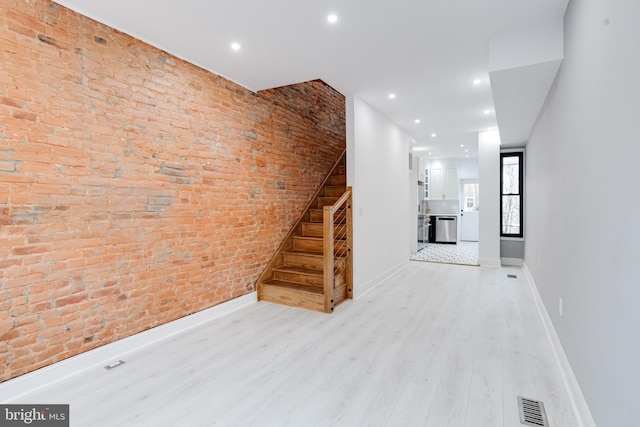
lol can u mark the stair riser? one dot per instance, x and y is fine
(303, 260)
(292, 298)
(326, 201)
(316, 215)
(339, 281)
(309, 261)
(317, 246)
(339, 295)
(306, 279)
(334, 191)
(317, 229)
(313, 246)
(338, 180)
(299, 278)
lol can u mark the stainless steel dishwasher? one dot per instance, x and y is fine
(446, 229)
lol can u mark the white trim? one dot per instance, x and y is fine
(16, 388)
(511, 261)
(367, 287)
(489, 262)
(512, 239)
(578, 402)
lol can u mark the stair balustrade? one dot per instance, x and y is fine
(337, 237)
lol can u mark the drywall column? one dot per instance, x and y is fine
(489, 172)
(379, 150)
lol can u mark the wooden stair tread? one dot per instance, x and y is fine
(313, 254)
(299, 287)
(313, 238)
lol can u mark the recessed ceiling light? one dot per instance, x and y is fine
(235, 46)
(467, 156)
(487, 111)
(477, 82)
(333, 18)
(416, 121)
(461, 145)
(392, 96)
(429, 152)
(433, 135)
(466, 150)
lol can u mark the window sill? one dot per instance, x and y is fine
(513, 239)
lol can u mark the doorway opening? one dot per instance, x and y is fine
(465, 248)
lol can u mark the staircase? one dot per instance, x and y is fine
(312, 268)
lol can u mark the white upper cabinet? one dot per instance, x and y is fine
(420, 169)
(443, 179)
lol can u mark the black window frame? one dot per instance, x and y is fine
(520, 156)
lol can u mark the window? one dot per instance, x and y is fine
(511, 207)
(471, 196)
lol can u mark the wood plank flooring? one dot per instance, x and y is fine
(436, 345)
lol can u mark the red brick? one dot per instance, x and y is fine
(82, 188)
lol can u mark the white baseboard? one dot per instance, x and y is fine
(578, 402)
(489, 262)
(16, 388)
(360, 291)
(511, 261)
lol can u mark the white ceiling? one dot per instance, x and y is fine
(427, 52)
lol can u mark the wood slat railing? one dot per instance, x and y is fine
(338, 236)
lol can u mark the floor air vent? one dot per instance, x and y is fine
(512, 276)
(114, 365)
(532, 412)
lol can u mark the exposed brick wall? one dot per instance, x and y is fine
(136, 188)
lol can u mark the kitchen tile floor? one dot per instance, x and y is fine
(461, 253)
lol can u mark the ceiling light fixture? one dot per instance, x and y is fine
(333, 18)
(477, 82)
(392, 96)
(235, 46)
(416, 121)
(461, 145)
(433, 135)
(487, 111)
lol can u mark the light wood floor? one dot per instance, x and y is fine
(436, 345)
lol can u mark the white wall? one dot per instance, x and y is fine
(583, 204)
(414, 200)
(468, 169)
(489, 174)
(379, 151)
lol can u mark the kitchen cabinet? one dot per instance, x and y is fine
(420, 169)
(443, 179)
